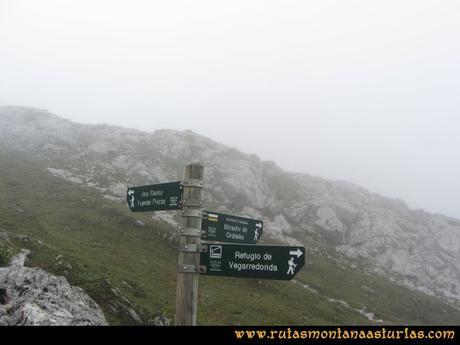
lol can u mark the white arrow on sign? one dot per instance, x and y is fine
(259, 225)
(296, 252)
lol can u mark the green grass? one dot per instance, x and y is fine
(101, 248)
(5, 255)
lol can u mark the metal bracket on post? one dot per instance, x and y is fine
(190, 232)
(192, 212)
(193, 248)
(193, 183)
(192, 203)
(191, 269)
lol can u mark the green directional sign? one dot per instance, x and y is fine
(233, 229)
(158, 197)
(251, 261)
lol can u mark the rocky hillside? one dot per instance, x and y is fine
(410, 247)
(33, 297)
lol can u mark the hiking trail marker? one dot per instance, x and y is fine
(221, 227)
(243, 259)
(157, 197)
(253, 261)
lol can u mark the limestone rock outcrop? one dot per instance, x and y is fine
(33, 297)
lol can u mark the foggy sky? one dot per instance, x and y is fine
(362, 91)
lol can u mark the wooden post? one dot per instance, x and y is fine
(189, 247)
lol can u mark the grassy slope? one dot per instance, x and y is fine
(100, 241)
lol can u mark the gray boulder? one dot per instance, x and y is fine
(32, 297)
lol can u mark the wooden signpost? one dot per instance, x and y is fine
(189, 247)
(230, 249)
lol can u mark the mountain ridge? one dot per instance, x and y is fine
(414, 248)
(169, 132)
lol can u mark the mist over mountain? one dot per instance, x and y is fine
(413, 248)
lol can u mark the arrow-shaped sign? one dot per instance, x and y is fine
(163, 196)
(221, 227)
(252, 261)
(296, 252)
